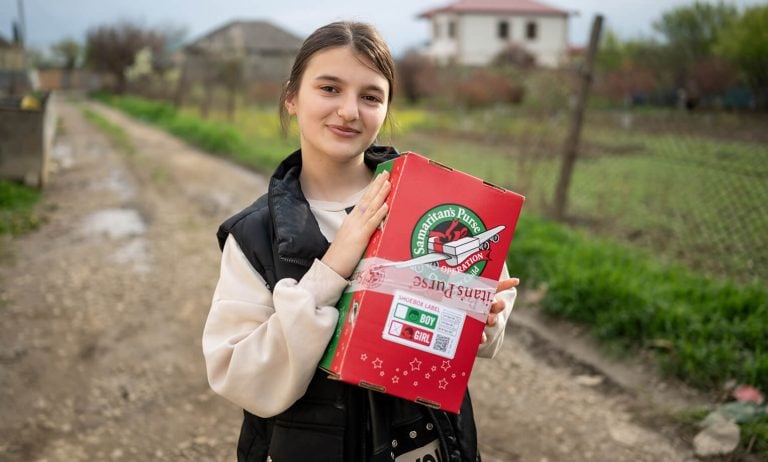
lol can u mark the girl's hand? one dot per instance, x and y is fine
(498, 305)
(356, 230)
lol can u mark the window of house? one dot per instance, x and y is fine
(531, 30)
(452, 29)
(503, 30)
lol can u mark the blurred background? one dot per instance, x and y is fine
(637, 130)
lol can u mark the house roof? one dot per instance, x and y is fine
(251, 35)
(496, 6)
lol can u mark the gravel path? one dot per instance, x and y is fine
(103, 309)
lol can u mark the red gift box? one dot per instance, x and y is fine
(412, 319)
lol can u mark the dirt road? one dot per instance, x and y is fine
(103, 309)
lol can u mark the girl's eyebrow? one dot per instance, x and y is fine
(333, 78)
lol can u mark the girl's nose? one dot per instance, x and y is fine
(348, 109)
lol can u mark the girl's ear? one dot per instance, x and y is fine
(290, 103)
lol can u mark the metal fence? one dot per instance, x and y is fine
(687, 187)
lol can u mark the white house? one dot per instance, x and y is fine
(473, 32)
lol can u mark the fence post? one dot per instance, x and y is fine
(571, 146)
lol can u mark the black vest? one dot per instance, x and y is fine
(333, 421)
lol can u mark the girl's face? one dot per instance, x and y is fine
(340, 105)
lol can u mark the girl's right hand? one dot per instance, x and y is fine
(356, 230)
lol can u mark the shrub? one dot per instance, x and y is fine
(417, 77)
(484, 87)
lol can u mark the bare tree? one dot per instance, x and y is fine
(231, 78)
(416, 76)
(112, 48)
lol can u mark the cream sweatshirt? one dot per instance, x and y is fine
(262, 348)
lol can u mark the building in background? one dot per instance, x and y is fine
(474, 32)
(15, 78)
(263, 51)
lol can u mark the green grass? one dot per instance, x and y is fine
(254, 140)
(714, 330)
(756, 435)
(115, 132)
(17, 208)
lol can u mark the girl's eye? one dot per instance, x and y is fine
(329, 89)
(372, 99)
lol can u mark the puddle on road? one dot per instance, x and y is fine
(118, 183)
(115, 223)
(127, 225)
(135, 253)
(62, 155)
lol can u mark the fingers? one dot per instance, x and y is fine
(375, 195)
(372, 206)
(506, 284)
(356, 230)
(496, 308)
(379, 215)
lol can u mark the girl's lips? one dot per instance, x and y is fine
(341, 130)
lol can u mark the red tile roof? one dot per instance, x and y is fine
(496, 6)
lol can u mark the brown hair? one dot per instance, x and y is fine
(362, 37)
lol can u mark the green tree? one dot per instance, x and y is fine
(693, 30)
(68, 52)
(690, 33)
(745, 43)
(610, 55)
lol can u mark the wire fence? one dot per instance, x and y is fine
(690, 188)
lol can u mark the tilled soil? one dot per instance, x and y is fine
(103, 309)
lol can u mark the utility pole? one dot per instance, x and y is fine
(22, 33)
(571, 146)
(22, 22)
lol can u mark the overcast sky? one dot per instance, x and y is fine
(49, 21)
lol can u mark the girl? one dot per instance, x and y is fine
(273, 310)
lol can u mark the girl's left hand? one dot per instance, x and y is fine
(498, 305)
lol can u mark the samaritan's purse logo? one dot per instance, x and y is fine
(458, 235)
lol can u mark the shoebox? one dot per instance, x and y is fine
(411, 320)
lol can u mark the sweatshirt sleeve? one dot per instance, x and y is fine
(262, 348)
(495, 333)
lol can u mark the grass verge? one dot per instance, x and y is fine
(253, 149)
(702, 330)
(113, 131)
(17, 203)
